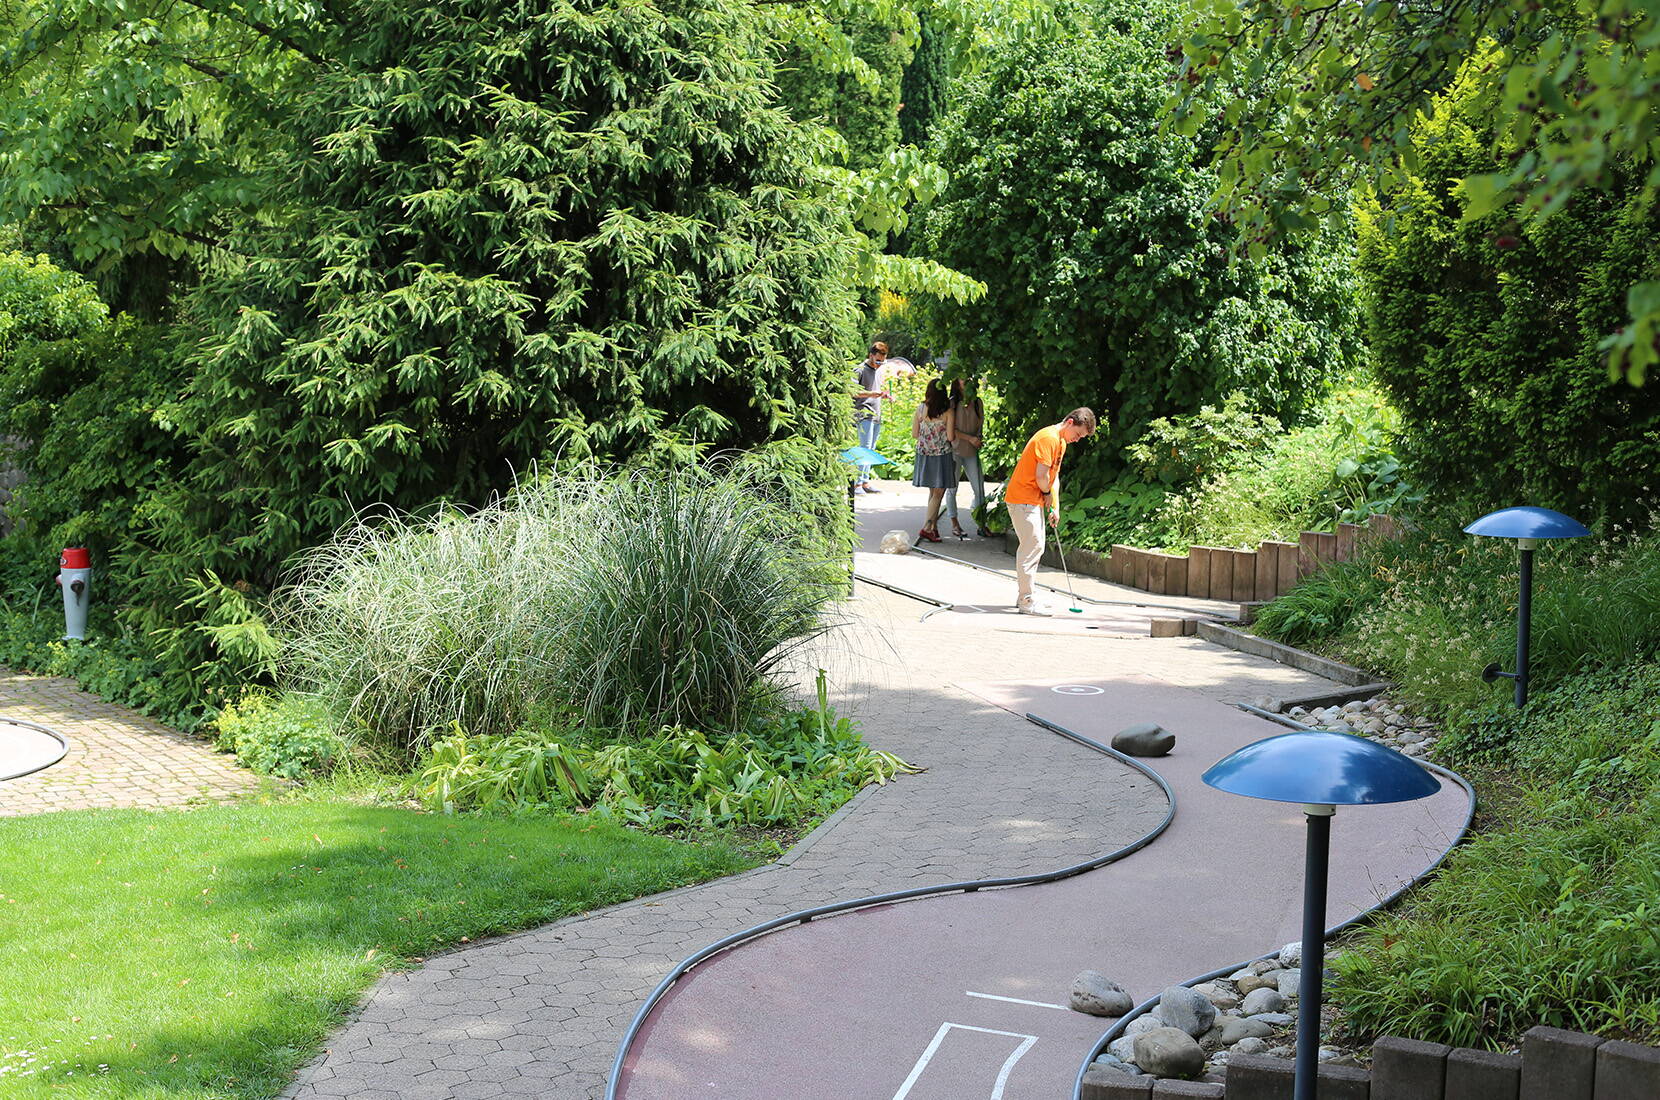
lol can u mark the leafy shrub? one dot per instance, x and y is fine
(1179, 450)
(1450, 609)
(89, 414)
(779, 770)
(1489, 337)
(290, 737)
(660, 598)
(40, 301)
(1226, 476)
(1322, 603)
(1109, 282)
(1553, 922)
(1338, 469)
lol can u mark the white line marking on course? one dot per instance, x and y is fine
(1018, 1001)
(939, 1036)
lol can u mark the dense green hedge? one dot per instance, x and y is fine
(568, 233)
(1110, 285)
(1487, 336)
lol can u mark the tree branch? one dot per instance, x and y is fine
(263, 28)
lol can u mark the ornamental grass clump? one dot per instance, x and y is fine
(685, 599)
(626, 603)
(405, 624)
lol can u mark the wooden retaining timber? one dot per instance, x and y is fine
(1219, 573)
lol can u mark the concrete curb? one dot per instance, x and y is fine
(1284, 654)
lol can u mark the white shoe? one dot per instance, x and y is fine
(1032, 607)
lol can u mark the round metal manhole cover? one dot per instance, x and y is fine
(1078, 689)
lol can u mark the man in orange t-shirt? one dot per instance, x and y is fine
(1035, 488)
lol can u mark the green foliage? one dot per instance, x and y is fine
(89, 413)
(782, 770)
(134, 134)
(40, 301)
(1179, 450)
(1228, 477)
(1312, 96)
(861, 104)
(1322, 603)
(208, 955)
(1551, 919)
(1551, 922)
(1109, 284)
(922, 88)
(1488, 335)
(289, 737)
(1125, 511)
(663, 598)
(1338, 469)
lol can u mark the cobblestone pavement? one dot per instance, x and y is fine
(116, 757)
(541, 1013)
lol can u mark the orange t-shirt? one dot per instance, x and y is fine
(1046, 447)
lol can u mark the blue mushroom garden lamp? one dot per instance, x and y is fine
(858, 456)
(1528, 526)
(1321, 771)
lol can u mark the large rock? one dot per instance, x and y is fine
(1250, 1045)
(1235, 1029)
(1187, 1009)
(1291, 954)
(1123, 1048)
(1146, 739)
(1258, 1001)
(1290, 981)
(1099, 995)
(1169, 1052)
(1254, 982)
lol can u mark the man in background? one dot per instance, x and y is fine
(868, 396)
(1033, 492)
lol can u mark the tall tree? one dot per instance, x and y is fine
(1109, 284)
(1313, 96)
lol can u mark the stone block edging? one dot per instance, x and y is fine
(1284, 654)
(1554, 1065)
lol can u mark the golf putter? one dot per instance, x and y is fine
(1061, 550)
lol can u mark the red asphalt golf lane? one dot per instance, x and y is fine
(878, 1003)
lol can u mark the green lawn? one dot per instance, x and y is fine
(207, 953)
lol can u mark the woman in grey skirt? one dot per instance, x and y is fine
(936, 469)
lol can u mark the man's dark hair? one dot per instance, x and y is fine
(1084, 418)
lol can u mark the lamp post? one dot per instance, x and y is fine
(1321, 771)
(1527, 526)
(857, 456)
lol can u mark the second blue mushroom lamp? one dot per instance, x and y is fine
(1528, 526)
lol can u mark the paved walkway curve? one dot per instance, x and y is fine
(541, 1013)
(963, 995)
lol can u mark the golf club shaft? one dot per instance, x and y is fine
(1061, 550)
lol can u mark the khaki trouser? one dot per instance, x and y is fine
(1027, 520)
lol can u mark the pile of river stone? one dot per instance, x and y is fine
(1380, 719)
(1193, 1030)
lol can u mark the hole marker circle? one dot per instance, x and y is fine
(1078, 689)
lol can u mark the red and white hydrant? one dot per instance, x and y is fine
(75, 578)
